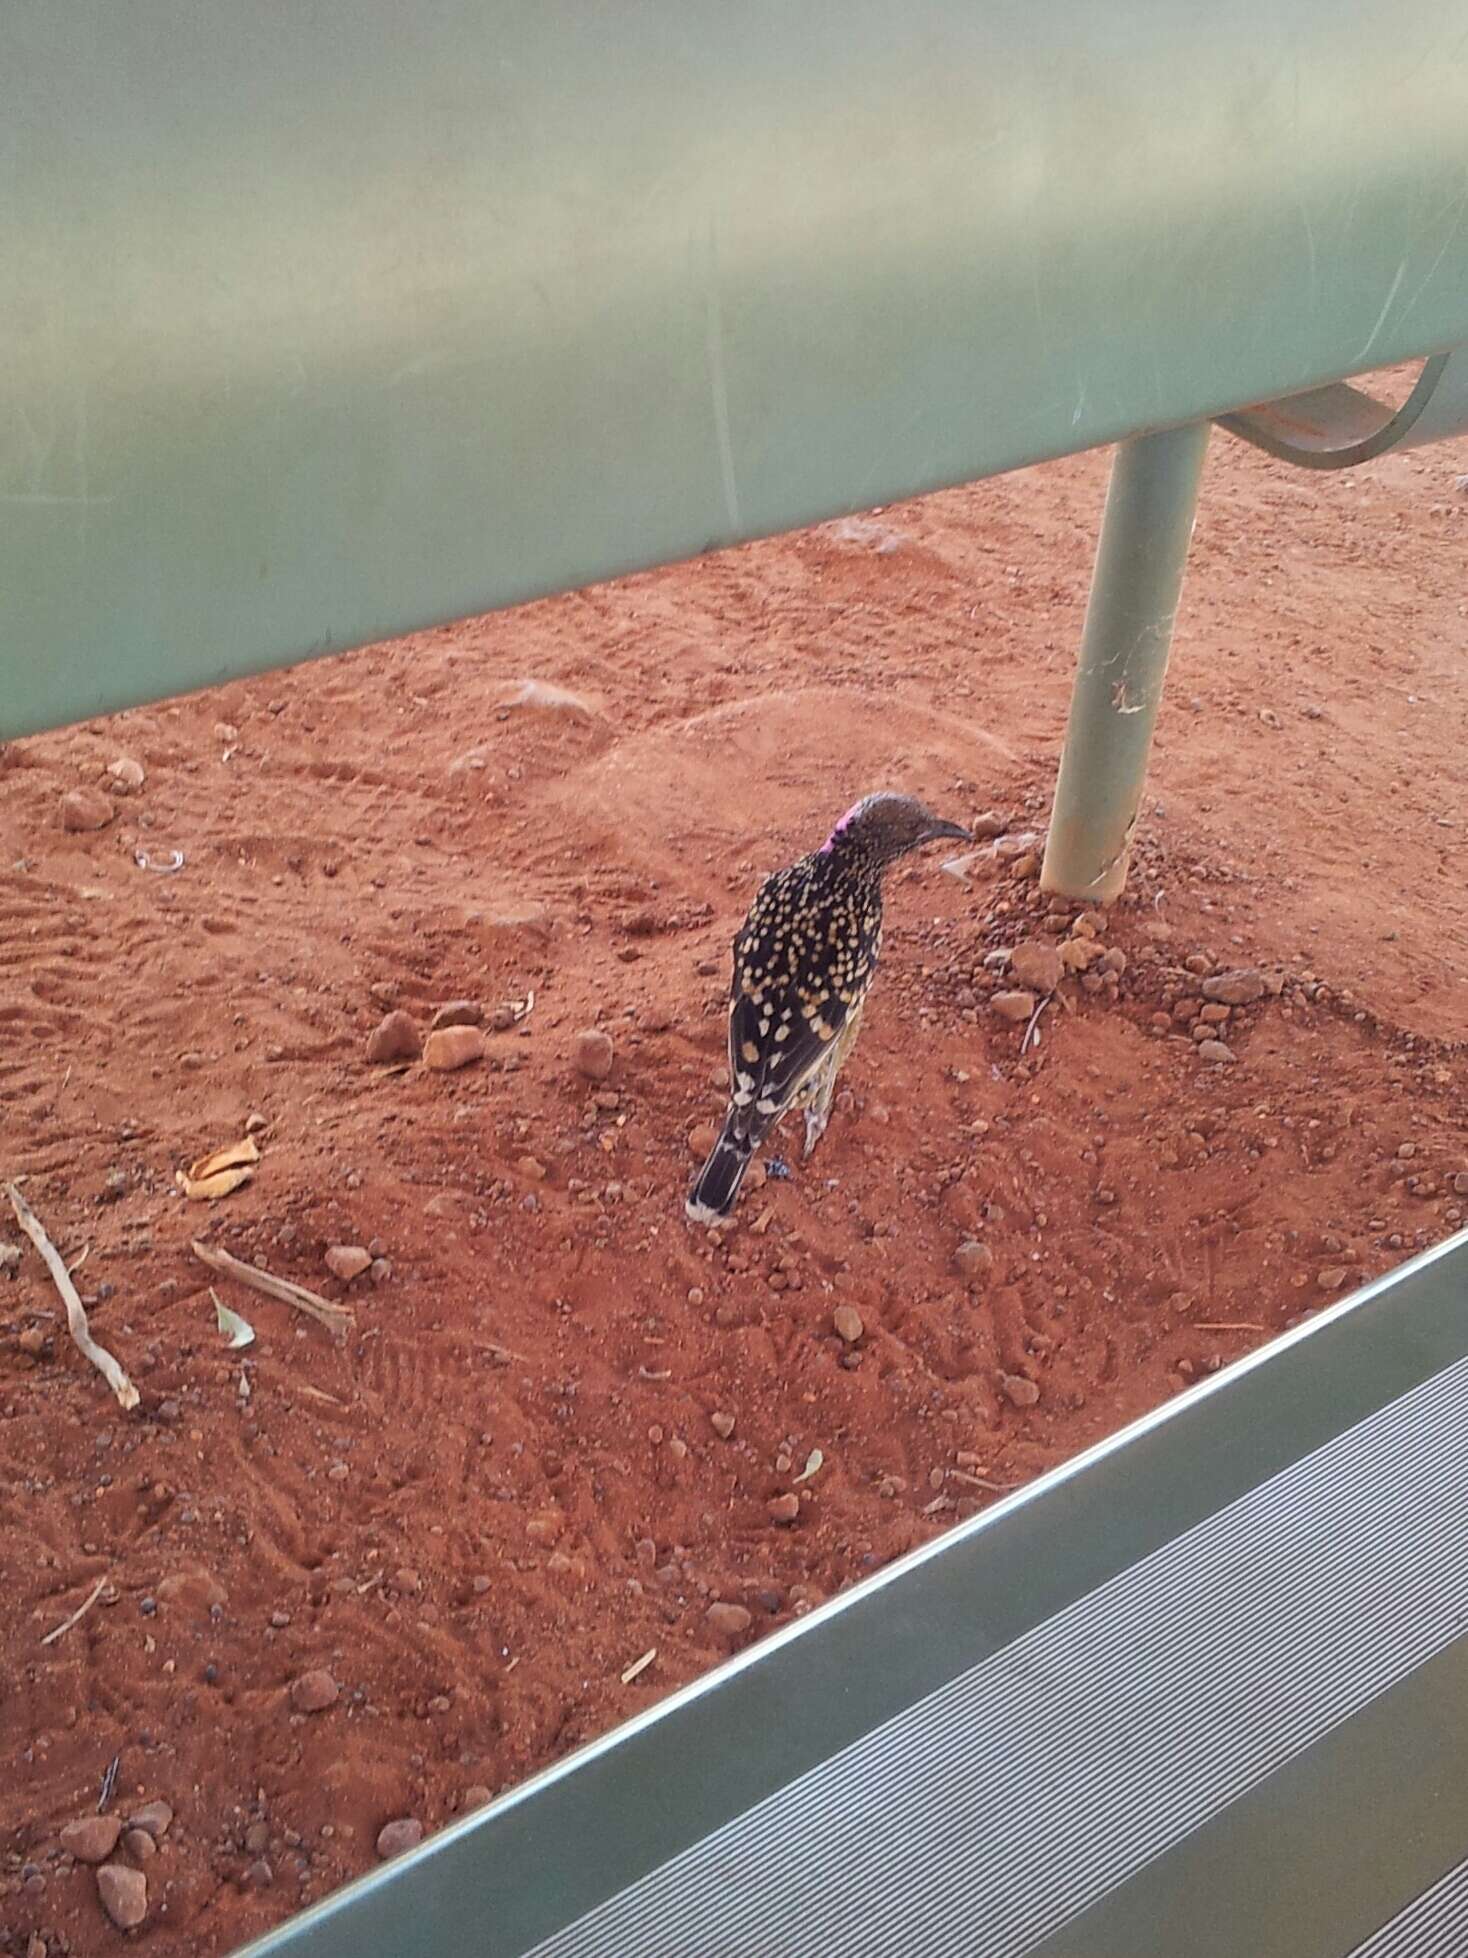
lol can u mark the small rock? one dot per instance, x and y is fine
(728, 1620)
(701, 1139)
(139, 1845)
(531, 1168)
(1330, 1278)
(453, 1047)
(395, 1039)
(1017, 1390)
(9, 1260)
(973, 1258)
(1215, 1050)
(1013, 1006)
(847, 1321)
(259, 1876)
(784, 1509)
(983, 829)
(1240, 987)
(1078, 954)
(93, 1839)
(123, 1894)
(722, 1425)
(127, 776)
(1198, 963)
(227, 732)
(1460, 1183)
(1036, 964)
(347, 1261)
(1215, 1014)
(85, 809)
(393, 1838)
(314, 1691)
(381, 1270)
(592, 1054)
(1114, 960)
(475, 1796)
(33, 1341)
(459, 1013)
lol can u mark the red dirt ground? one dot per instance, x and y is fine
(506, 1486)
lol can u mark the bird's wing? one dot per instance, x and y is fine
(773, 1049)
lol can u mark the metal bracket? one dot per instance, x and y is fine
(1338, 426)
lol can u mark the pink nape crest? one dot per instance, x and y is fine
(854, 811)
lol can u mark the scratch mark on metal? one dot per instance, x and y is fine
(1375, 333)
(718, 383)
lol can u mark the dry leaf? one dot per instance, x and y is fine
(215, 1176)
(238, 1331)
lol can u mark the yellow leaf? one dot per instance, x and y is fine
(204, 1189)
(231, 1158)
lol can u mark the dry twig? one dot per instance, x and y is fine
(76, 1314)
(80, 1613)
(335, 1317)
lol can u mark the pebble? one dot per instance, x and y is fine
(93, 1839)
(1198, 963)
(127, 775)
(1013, 1006)
(314, 1691)
(1036, 964)
(347, 1261)
(84, 809)
(1215, 1050)
(381, 1270)
(33, 1341)
(1214, 1015)
(139, 1845)
(701, 1139)
(395, 1038)
(847, 1321)
(722, 1424)
(983, 829)
(1460, 1183)
(973, 1258)
(1078, 954)
(784, 1509)
(393, 1838)
(123, 1894)
(259, 1876)
(475, 1796)
(1240, 987)
(1114, 960)
(459, 1013)
(453, 1047)
(1017, 1390)
(592, 1054)
(1330, 1278)
(728, 1620)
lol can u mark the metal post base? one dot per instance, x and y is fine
(1150, 507)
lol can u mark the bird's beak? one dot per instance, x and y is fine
(938, 829)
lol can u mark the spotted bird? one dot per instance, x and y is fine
(804, 962)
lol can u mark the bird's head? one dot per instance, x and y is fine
(884, 827)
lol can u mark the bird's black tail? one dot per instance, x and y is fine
(717, 1183)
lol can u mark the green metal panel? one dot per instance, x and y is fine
(322, 322)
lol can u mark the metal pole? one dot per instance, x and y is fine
(1150, 507)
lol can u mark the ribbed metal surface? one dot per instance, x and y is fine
(991, 1813)
(1434, 1925)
